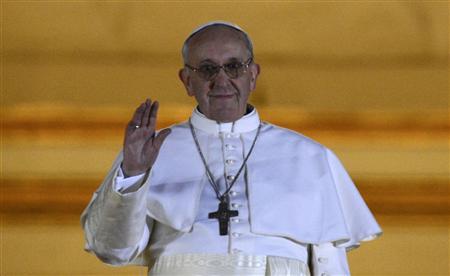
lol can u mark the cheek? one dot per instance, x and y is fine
(198, 89)
(200, 92)
(246, 85)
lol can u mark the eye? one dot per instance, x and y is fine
(208, 68)
(233, 65)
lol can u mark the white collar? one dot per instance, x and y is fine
(247, 123)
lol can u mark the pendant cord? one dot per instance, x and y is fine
(213, 184)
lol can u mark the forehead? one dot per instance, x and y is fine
(217, 44)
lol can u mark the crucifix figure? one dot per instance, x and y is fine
(223, 214)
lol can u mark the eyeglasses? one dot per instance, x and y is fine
(233, 69)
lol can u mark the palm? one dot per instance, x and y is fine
(141, 145)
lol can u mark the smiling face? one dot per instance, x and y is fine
(221, 98)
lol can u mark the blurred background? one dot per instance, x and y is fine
(368, 79)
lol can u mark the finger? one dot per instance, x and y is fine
(146, 112)
(162, 135)
(153, 115)
(137, 116)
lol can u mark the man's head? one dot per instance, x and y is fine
(219, 71)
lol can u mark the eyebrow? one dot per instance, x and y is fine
(232, 59)
(207, 61)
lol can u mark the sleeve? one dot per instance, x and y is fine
(117, 228)
(327, 260)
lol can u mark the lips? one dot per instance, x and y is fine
(222, 95)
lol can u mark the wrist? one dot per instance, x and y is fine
(129, 172)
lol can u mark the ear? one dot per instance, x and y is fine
(185, 78)
(254, 73)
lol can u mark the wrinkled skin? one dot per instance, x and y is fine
(221, 99)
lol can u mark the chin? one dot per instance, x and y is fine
(226, 114)
(226, 118)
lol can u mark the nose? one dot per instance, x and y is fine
(220, 80)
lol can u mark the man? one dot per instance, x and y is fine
(224, 193)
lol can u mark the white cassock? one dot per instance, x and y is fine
(294, 199)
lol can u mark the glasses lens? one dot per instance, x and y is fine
(207, 72)
(234, 69)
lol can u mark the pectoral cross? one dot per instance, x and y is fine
(223, 214)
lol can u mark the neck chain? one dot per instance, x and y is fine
(222, 197)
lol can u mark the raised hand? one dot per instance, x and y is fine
(141, 144)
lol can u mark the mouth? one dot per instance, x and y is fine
(222, 96)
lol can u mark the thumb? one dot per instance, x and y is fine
(162, 135)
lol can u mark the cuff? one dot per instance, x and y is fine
(130, 184)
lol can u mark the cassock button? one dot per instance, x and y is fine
(229, 147)
(235, 220)
(324, 274)
(235, 205)
(230, 177)
(236, 235)
(233, 193)
(236, 250)
(230, 161)
(323, 260)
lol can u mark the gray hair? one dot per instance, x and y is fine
(246, 38)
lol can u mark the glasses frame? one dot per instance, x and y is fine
(245, 64)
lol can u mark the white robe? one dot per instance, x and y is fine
(297, 189)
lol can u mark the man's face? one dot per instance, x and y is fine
(221, 98)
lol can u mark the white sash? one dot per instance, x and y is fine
(227, 265)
